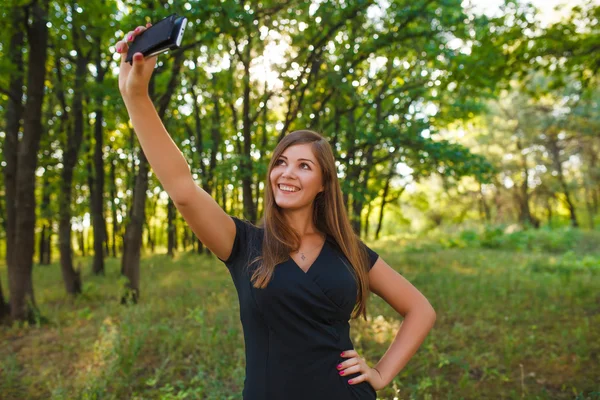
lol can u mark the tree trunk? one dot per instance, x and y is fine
(176, 238)
(590, 206)
(363, 180)
(46, 214)
(549, 211)
(186, 239)
(262, 149)
(484, 206)
(589, 185)
(22, 300)
(113, 206)
(41, 245)
(71, 278)
(385, 200)
(105, 230)
(171, 229)
(594, 172)
(246, 164)
(367, 217)
(48, 249)
(4, 310)
(224, 197)
(14, 112)
(152, 235)
(555, 151)
(354, 205)
(3, 221)
(386, 189)
(357, 206)
(210, 179)
(4, 306)
(80, 237)
(130, 264)
(523, 190)
(97, 200)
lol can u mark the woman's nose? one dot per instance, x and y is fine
(287, 174)
(288, 171)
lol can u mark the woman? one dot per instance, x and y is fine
(300, 276)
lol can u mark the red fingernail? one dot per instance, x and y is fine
(342, 354)
(129, 38)
(350, 381)
(137, 29)
(339, 366)
(341, 372)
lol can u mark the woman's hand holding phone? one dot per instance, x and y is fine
(134, 79)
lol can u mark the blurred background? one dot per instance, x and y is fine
(467, 140)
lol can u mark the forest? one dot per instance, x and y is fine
(467, 143)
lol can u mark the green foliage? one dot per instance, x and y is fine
(571, 41)
(567, 264)
(545, 240)
(541, 241)
(492, 237)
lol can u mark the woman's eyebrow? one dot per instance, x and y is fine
(305, 159)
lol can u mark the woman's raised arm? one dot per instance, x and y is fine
(214, 228)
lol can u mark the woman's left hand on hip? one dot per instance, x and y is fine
(356, 364)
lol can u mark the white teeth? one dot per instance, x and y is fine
(288, 188)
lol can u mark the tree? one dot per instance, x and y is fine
(22, 300)
(13, 126)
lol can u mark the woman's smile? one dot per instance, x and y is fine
(288, 189)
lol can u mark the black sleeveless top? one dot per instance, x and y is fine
(296, 328)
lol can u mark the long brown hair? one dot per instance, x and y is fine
(329, 217)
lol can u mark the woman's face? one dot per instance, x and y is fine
(297, 168)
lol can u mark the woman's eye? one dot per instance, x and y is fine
(302, 164)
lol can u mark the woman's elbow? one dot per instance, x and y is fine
(427, 312)
(431, 313)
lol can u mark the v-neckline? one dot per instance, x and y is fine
(314, 262)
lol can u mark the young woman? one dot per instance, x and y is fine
(301, 275)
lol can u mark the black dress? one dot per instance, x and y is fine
(296, 328)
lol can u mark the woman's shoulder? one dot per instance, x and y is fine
(249, 231)
(248, 237)
(243, 223)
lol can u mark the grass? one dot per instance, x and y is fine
(507, 328)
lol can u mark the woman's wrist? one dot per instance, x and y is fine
(131, 100)
(384, 380)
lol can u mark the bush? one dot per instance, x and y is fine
(542, 240)
(569, 263)
(512, 238)
(554, 241)
(492, 237)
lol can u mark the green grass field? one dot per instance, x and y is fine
(511, 324)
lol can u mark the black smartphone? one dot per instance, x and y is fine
(163, 36)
